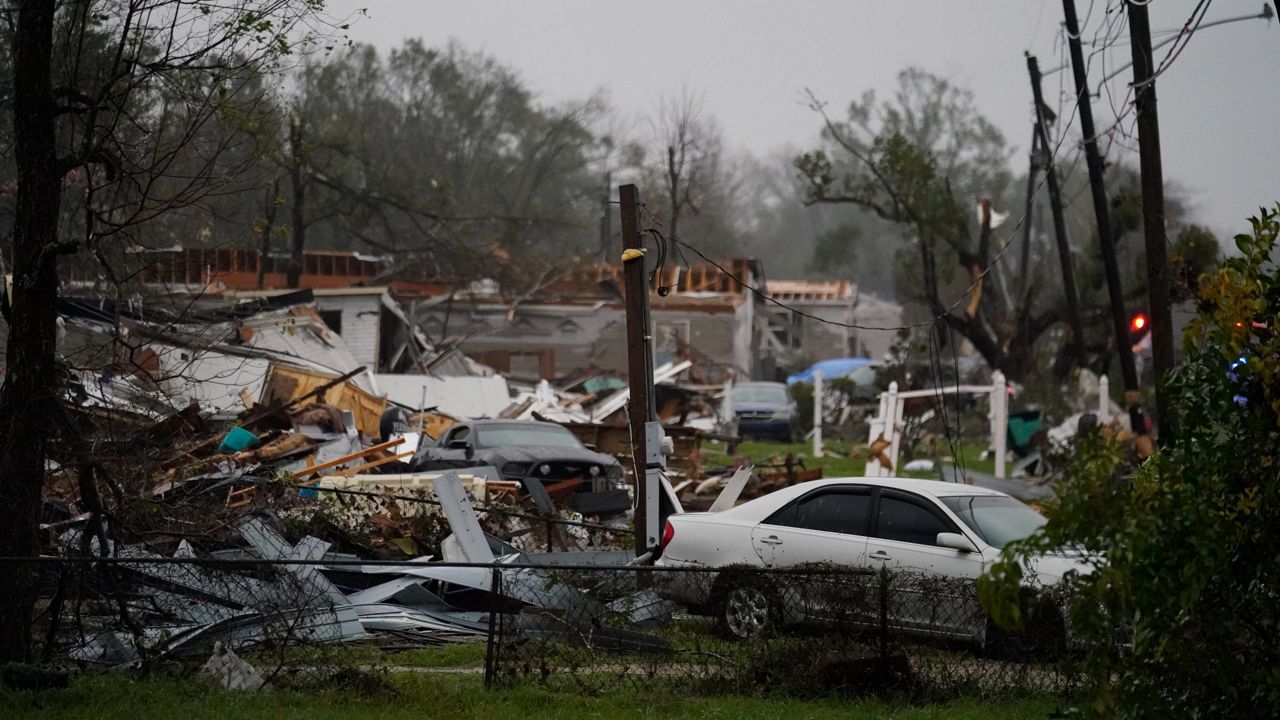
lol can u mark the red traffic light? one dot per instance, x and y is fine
(1138, 323)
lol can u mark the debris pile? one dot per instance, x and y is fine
(264, 593)
(234, 481)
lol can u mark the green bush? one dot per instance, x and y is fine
(1180, 614)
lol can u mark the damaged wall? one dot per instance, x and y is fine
(551, 341)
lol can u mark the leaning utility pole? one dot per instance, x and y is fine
(640, 407)
(1059, 224)
(1144, 88)
(1024, 267)
(1102, 212)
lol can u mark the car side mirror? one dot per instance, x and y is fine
(955, 541)
(460, 445)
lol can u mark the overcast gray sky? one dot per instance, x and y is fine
(1219, 102)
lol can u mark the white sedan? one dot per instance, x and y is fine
(913, 527)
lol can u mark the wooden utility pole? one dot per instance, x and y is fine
(1059, 224)
(1161, 317)
(639, 363)
(1024, 267)
(1101, 210)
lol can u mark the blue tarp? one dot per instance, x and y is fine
(835, 368)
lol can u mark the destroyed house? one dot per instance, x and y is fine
(235, 268)
(813, 320)
(377, 330)
(579, 327)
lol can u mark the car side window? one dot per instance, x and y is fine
(843, 511)
(908, 521)
(457, 434)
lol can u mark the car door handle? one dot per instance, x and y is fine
(879, 555)
(771, 540)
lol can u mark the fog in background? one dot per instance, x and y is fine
(751, 61)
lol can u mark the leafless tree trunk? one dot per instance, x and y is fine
(132, 123)
(687, 139)
(298, 183)
(268, 227)
(30, 380)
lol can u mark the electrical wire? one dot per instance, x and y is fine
(1130, 102)
(1176, 49)
(664, 242)
(935, 368)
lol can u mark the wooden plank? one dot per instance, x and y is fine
(361, 468)
(341, 393)
(311, 470)
(297, 399)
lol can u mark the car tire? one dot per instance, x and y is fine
(748, 608)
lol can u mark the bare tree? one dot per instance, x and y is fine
(122, 113)
(696, 174)
(691, 147)
(924, 161)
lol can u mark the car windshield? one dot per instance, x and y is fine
(525, 435)
(775, 394)
(997, 519)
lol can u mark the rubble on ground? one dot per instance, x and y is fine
(262, 492)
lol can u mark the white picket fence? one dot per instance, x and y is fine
(887, 425)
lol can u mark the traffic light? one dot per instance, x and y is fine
(1139, 326)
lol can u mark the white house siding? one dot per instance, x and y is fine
(360, 323)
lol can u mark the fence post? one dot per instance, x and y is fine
(1104, 401)
(876, 430)
(892, 423)
(999, 420)
(492, 644)
(817, 413)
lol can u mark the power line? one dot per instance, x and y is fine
(681, 245)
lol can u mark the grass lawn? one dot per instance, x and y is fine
(455, 696)
(841, 458)
(453, 655)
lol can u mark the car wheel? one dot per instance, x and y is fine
(748, 609)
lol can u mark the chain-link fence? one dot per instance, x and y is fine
(295, 612)
(812, 631)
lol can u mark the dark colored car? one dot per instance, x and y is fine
(531, 452)
(765, 410)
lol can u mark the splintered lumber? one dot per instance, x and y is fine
(304, 472)
(348, 472)
(318, 390)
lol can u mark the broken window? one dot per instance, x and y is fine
(332, 318)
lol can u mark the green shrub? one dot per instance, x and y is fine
(1180, 614)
